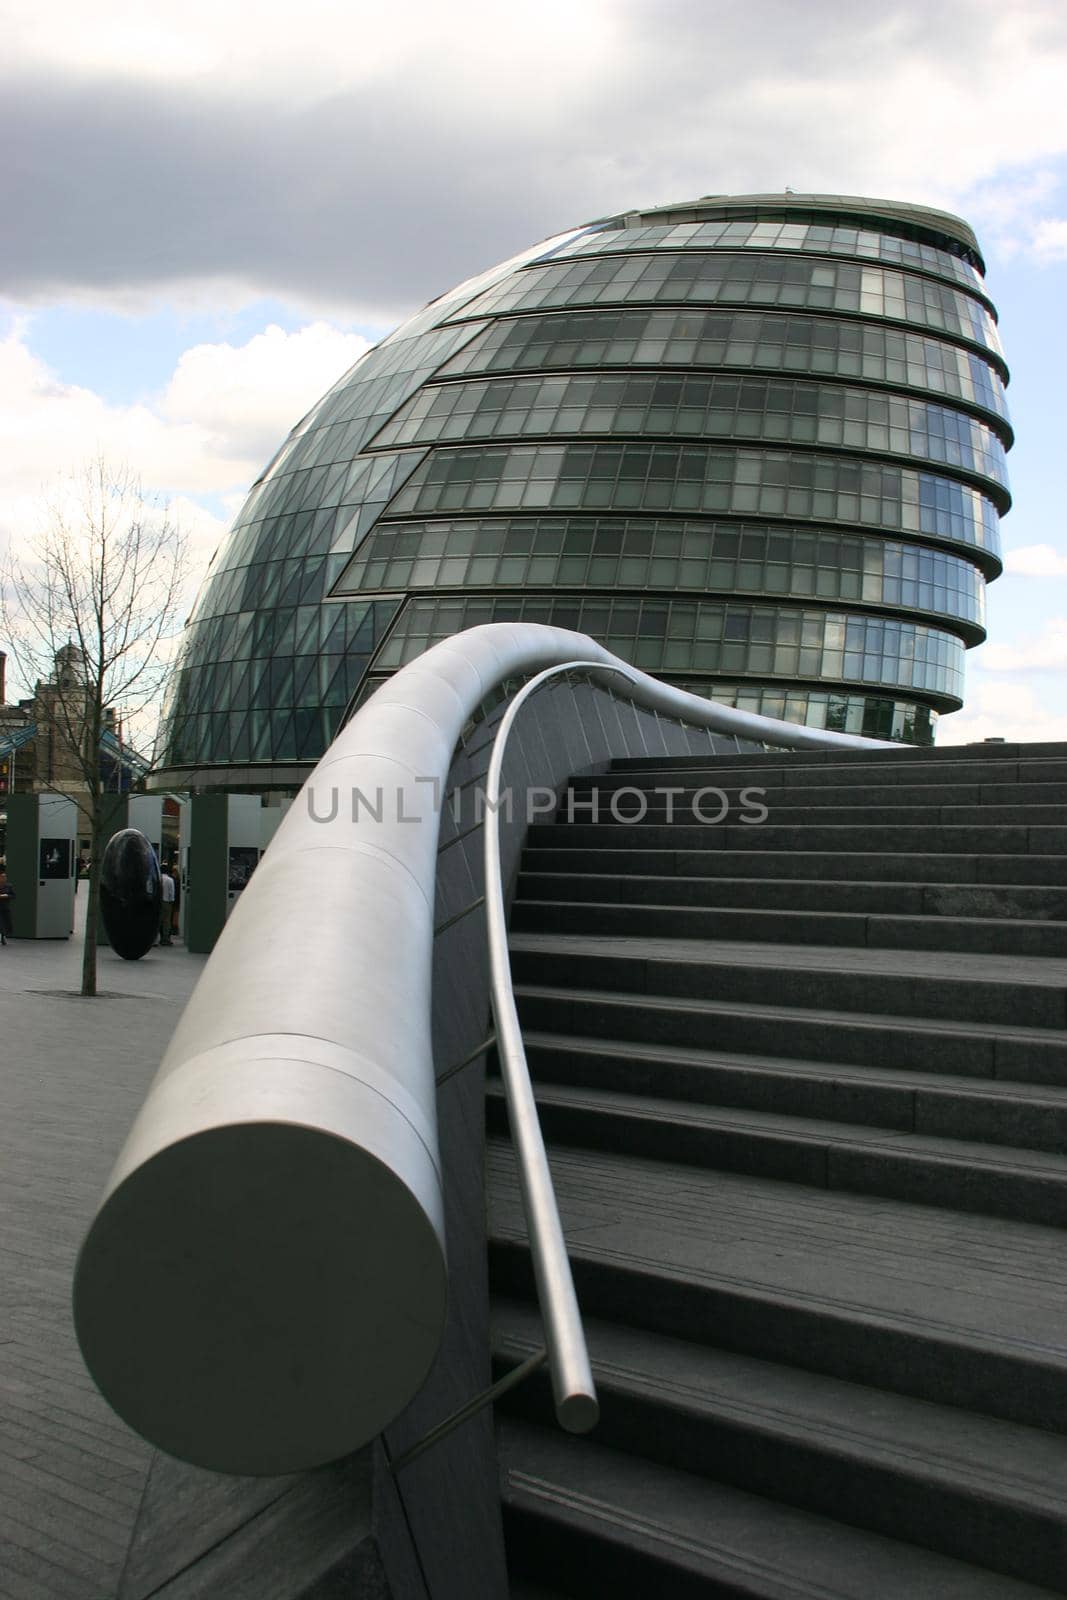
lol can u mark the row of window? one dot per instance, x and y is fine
(629, 553)
(776, 410)
(743, 280)
(874, 716)
(695, 478)
(269, 685)
(308, 630)
(259, 734)
(336, 428)
(680, 636)
(745, 339)
(869, 715)
(822, 238)
(302, 732)
(291, 509)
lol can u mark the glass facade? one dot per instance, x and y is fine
(693, 279)
(736, 341)
(781, 410)
(756, 446)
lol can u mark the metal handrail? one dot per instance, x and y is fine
(573, 1389)
(275, 1220)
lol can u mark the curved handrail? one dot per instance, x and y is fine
(573, 1389)
(263, 1286)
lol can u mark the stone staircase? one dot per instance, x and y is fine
(804, 1087)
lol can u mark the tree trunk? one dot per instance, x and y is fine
(96, 846)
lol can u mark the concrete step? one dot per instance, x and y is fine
(592, 1521)
(1028, 903)
(893, 1043)
(890, 758)
(972, 1488)
(956, 1309)
(793, 926)
(552, 851)
(789, 791)
(1016, 991)
(937, 1103)
(714, 808)
(991, 1180)
(1004, 839)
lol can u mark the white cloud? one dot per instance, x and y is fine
(1050, 240)
(369, 157)
(223, 413)
(241, 393)
(1044, 651)
(1011, 711)
(1037, 561)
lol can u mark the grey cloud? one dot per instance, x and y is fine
(381, 199)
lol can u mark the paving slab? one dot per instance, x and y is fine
(73, 1073)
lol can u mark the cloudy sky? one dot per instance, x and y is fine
(210, 209)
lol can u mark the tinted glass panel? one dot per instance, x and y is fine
(820, 238)
(777, 410)
(698, 478)
(745, 340)
(646, 554)
(674, 637)
(756, 280)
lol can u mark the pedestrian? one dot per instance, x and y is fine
(7, 894)
(166, 908)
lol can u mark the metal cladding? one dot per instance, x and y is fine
(131, 893)
(753, 444)
(263, 1287)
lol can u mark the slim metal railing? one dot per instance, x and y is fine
(573, 1390)
(264, 1285)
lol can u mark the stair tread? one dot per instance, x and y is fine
(720, 1534)
(892, 1358)
(986, 1157)
(885, 1022)
(1048, 971)
(998, 1460)
(795, 813)
(923, 866)
(891, 755)
(933, 920)
(876, 885)
(793, 789)
(916, 1081)
(986, 1283)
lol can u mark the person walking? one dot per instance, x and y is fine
(166, 908)
(7, 894)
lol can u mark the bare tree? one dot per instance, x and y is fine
(89, 611)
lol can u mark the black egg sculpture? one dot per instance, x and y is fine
(131, 893)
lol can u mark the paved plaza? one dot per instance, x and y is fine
(73, 1073)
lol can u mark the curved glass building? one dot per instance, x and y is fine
(754, 444)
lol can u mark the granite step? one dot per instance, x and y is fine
(936, 1103)
(816, 776)
(842, 838)
(988, 1052)
(592, 1521)
(714, 807)
(860, 929)
(969, 1487)
(632, 855)
(789, 789)
(924, 1169)
(889, 757)
(1023, 902)
(1021, 991)
(953, 1308)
